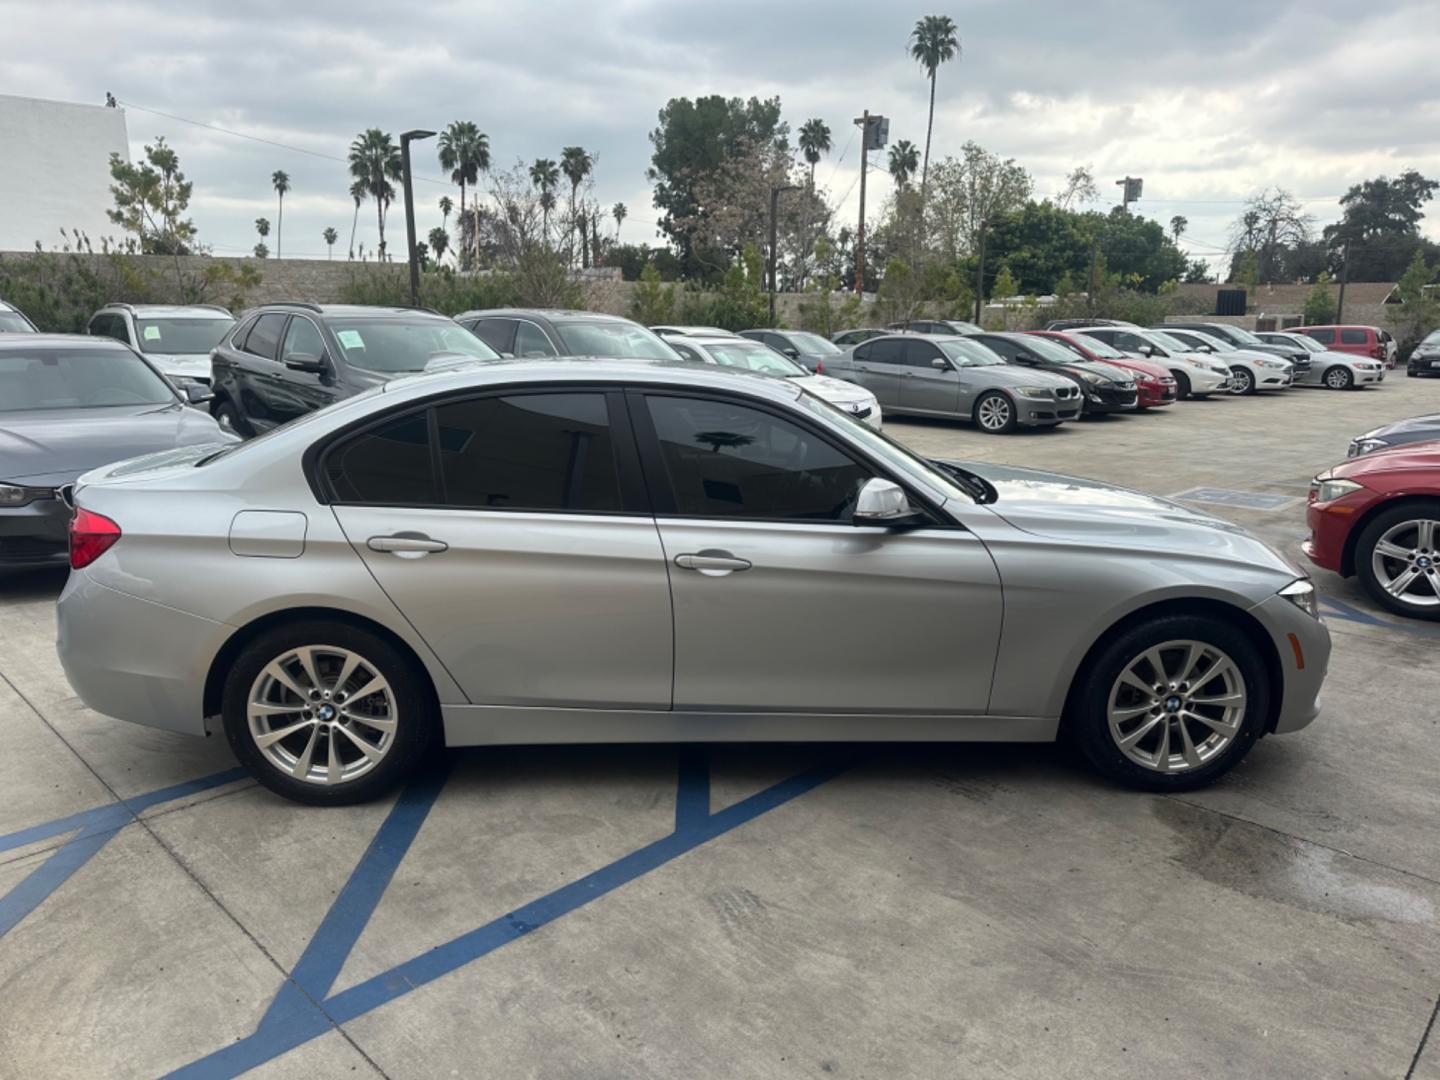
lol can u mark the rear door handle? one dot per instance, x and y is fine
(407, 545)
(712, 562)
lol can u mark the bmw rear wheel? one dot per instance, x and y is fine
(326, 713)
(995, 414)
(1397, 559)
(1171, 704)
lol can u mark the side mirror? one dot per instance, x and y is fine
(196, 394)
(882, 502)
(940, 364)
(1146, 350)
(792, 352)
(305, 362)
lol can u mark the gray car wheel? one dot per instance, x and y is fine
(995, 414)
(1171, 704)
(1241, 381)
(1339, 378)
(326, 713)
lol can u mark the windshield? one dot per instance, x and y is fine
(1168, 341)
(12, 322)
(33, 379)
(754, 357)
(1309, 344)
(621, 340)
(1236, 333)
(969, 353)
(1191, 342)
(1095, 346)
(390, 346)
(812, 343)
(1053, 351)
(182, 336)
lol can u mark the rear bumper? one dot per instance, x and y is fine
(134, 659)
(35, 535)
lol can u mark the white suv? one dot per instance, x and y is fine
(176, 339)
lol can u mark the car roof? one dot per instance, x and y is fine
(568, 314)
(57, 341)
(172, 311)
(1336, 326)
(351, 310)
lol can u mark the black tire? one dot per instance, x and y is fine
(1087, 723)
(996, 399)
(1242, 381)
(228, 417)
(1338, 377)
(415, 728)
(1182, 385)
(1427, 509)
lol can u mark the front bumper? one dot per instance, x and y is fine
(134, 659)
(1270, 379)
(1108, 399)
(1153, 395)
(34, 535)
(1045, 412)
(1303, 645)
(1206, 381)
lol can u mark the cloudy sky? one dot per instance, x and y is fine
(1207, 101)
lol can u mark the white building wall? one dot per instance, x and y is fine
(56, 170)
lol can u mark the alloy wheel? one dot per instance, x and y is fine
(1240, 381)
(994, 413)
(1337, 378)
(1407, 564)
(1177, 706)
(322, 714)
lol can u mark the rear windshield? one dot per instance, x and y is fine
(12, 322)
(753, 356)
(396, 345)
(812, 343)
(181, 336)
(79, 378)
(619, 340)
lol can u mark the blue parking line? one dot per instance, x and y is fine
(1342, 610)
(303, 1020)
(95, 829)
(692, 793)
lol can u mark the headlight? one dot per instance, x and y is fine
(14, 495)
(1034, 391)
(1273, 363)
(1369, 446)
(1302, 594)
(1091, 378)
(1329, 488)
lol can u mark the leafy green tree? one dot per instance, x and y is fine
(151, 199)
(653, 303)
(976, 187)
(1197, 272)
(814, 140)
(330, 236)
(1247, 271)
(261, 251)
(375, 162)
(1381, 222)
(903, 161)
(1272, 224)
(1005, 288)
(281, 183)
(1138, 249)
(1319, 304)
(932, 43)
(692, 144)
(1418, 311)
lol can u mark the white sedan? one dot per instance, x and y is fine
(1333, 370)
(747, 355)
(1196, 374)
(1250, 370)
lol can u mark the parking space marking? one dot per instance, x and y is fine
(1341, 610)
(1245, 500)
(94, 829)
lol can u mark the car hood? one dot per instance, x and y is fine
(1103, 369)
(1138, 366)
(1248, 354)
(194, 365)
(1090, 512)
(1405, 427)
(833, 389)
(49, 447)
(1015, 375)
(1411, 457)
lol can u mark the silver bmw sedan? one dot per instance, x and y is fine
(603, 551)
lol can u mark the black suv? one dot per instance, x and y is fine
(285, 360)
(539, 332)
(1103, 387)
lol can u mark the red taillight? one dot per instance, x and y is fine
(1378, 352)
(819, 367)
(91, 535)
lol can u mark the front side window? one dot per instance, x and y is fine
(181, 337)
(529, 452)
(303, 339)
(392, 346)
(686, 352)
(727, 460)
(78, 378)
(1354, 337)
(965, 352)
(530, 340)
(919, 354)
(499, 334)
(12, 322)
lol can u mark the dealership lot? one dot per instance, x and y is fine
(860, 911)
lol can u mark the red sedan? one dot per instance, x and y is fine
(1378, 518)
(1154, 384)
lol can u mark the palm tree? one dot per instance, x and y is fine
(281, 183)
(932, 42)
(357, 192)
(375, 161)
(619, 213)
(439, 241)
(330, 236)
(465, 150)
(814, 144)
(545, 175)
(904, 159)
(576, 164)
(262, 226)
(446, 206)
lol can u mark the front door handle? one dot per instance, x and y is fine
(407, 545)
(712, 562)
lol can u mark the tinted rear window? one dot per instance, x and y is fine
(1354, 337)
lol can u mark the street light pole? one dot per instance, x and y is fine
(774, 207)
(405, 139)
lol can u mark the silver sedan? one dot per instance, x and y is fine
(604, 551)
(940, 375)
(1332, 370)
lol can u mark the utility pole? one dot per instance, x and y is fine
(1132, 186)
(980, 275)
(1090, 292)
(405, 139)
(874, 133)
(1344, 276)
(774, 206)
